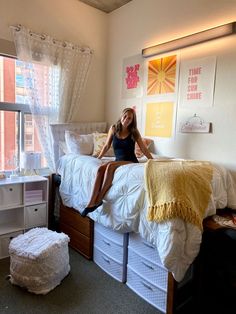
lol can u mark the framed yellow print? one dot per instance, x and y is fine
(159, 119)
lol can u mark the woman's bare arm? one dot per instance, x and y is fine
(107, 144)
(143, 147)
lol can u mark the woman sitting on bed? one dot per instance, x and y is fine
(122, 136)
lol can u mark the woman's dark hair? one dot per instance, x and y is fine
(133, 125)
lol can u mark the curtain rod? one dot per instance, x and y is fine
(63, 44)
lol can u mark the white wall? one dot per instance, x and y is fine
(68, 20)
(137, 25)
(141, 24)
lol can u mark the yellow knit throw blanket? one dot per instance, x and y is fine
(178, 189)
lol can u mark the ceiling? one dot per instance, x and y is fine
(106, 5)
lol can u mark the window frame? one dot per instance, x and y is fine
(21, 109)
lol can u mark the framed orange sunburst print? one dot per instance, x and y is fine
(161, 75)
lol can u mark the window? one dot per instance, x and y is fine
(28, 140)
(28, 121)
(17, 130)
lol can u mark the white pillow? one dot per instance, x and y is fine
(63, 148)
(81, 144)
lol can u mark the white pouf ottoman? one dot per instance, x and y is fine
(39, 260)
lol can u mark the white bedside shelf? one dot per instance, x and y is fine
(17, 214)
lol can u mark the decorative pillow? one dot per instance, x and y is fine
(99, 139)
(147, 142)
(63, 148)
(81, 144)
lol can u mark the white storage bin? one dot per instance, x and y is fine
(110, 266)
(144, 248)
(11, 195)
(149, 292)
(110, 251)
(5, 241)
(114, 250)
(35, 215)
(109, 233)
(152, 272)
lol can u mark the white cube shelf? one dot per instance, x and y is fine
(23, 205)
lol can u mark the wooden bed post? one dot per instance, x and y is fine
(172, 285)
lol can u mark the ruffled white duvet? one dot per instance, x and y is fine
(125, 204)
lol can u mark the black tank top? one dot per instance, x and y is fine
(124, 148)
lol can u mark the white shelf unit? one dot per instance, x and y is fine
(23, 205)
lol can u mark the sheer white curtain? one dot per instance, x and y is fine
(55, 75)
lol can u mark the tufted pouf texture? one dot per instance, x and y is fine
(39, 260)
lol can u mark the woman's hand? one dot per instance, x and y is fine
(107, 144)
(143, 148)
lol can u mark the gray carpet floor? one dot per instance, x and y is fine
(86, 290)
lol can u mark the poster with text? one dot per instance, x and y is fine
(197, 80)
(132, 77)
(161, 77)
(159, 119)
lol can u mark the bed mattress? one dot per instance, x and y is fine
(125, 207)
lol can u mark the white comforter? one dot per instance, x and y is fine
(125, 204)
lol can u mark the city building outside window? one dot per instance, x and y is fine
(17, 131)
